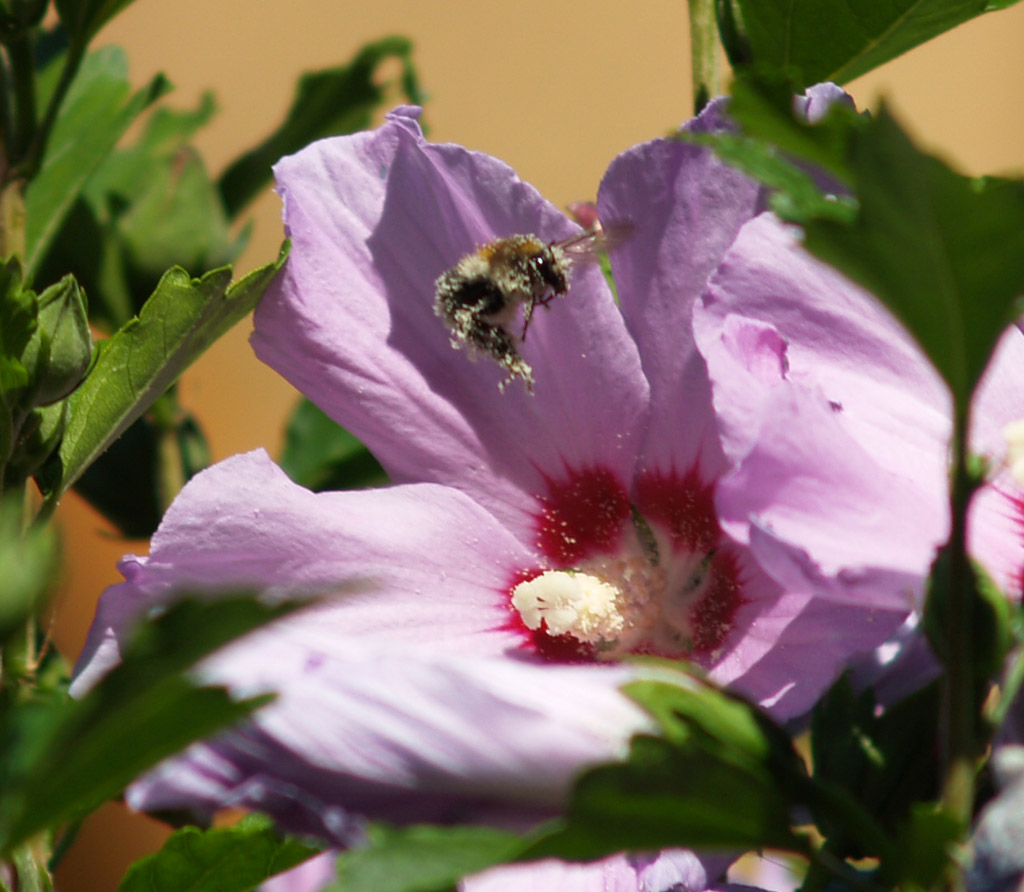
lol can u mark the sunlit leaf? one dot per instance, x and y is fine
(943, 251)
(95, 113)
(838, 40)
(181, 319)
(723, 777)
(422, 858)
(59, 759)
(227, 859)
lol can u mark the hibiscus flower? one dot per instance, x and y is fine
(818, 388)
(533, 539)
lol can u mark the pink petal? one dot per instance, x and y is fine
(412, 563)
(686, 208)
(670, 871)
(809, 483)
(837, 424)
(790, 641)
(374, 218)
(408, 734)
(310, 876)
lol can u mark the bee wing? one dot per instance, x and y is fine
(599, 240)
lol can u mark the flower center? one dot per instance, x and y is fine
(619, 604)
(654, 578)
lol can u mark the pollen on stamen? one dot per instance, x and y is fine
(568, 603)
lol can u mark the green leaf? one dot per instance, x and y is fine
(95, 113)
(156, 199)
(93, 241)
(797, 197)
(763, 105)
(320, 455)
(179, 321)
(422, 858)
(838, 40)
(230, 859)
(59, 759)
(924, 850)
(689, 709)
(38, 440)
(886, 762)
(18, 321)
(990, 628)
(724, 777)
(125, 174)
(1012, 682)
(83, 18)
(667, 796)
(943, 251)
(18, 310)
(28, 565)
(327, 102)
(177, 219)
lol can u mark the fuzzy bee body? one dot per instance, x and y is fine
(479, 298)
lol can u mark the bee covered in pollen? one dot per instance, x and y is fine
(479, 298)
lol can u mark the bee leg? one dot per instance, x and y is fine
(530, 306)
(501, 347)
(527, 316)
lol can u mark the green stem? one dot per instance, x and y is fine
(18, 655)
(21, 53)
(959, 708)
(64, 843)
(6, 124)
(170, 472)
(18, 669)
(29, 861)
(705, 54)
(34, 155)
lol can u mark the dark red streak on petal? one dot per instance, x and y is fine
(581, 516)
(683, 506)
(711, 618)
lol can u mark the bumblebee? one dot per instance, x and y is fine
(479, 298)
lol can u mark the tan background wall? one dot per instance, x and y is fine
(554, 88)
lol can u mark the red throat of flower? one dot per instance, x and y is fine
(620, 578)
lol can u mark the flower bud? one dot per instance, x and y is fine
(58, 354)
(18, 16)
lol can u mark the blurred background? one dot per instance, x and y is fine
(554, 89)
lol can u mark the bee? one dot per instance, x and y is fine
(479, 298)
